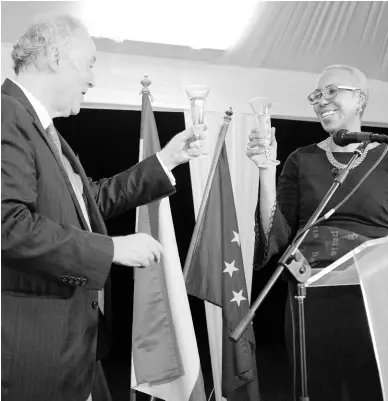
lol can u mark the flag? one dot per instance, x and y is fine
(216, 274)
(165, 359)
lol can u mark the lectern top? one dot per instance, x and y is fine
(343, 271)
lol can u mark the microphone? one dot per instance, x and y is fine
(343, 137)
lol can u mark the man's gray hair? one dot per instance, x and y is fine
(362, 81)
(44, 31)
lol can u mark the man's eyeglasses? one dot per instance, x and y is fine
(328, 93)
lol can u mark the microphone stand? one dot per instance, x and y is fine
(297, 265)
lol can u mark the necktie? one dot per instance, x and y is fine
(53, 135)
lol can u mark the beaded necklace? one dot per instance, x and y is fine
(337, 164)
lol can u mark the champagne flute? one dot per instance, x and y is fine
(261, 108)
(197, 95)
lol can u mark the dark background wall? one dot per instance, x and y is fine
(107, 142)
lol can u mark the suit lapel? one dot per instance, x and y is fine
(65, 176)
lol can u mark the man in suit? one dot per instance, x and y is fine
(56, 253)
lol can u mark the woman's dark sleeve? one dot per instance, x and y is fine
(284, 219)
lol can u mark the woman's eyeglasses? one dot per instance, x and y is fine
(328, 93)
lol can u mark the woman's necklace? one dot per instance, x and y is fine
(334, 162)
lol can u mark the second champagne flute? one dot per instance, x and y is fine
(261, 107)
(197, 95)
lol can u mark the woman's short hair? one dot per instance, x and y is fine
(362, 81)
(43, 32)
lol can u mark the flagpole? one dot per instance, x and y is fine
(217, 152)
(145, 91)
(146, 82)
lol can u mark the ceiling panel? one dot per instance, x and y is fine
(288, 35)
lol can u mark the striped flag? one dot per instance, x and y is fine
(165, 359)
(216, 275)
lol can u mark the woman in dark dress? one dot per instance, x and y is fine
(340, 358)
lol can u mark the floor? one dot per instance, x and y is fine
(274, 376)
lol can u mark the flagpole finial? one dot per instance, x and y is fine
(228, 115)
(146, 82)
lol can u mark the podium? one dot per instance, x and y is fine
(367, 266)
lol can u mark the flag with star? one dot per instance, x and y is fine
(216, 274)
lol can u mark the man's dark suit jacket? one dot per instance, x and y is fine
(52, 266)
